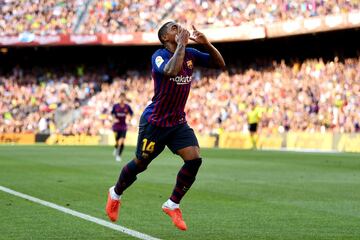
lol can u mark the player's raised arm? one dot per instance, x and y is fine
(173, 66)
(200, 38)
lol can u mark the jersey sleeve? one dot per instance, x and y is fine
(130, 110)
(158, 61)
(200, 58)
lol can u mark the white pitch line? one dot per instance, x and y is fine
(89, 218)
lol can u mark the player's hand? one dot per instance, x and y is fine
(198, 37)
(182, 37)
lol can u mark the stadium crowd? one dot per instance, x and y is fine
(234, 13)
(41, 17)
(44, 17)
(312, 96)
(31, 101)
(115, 16)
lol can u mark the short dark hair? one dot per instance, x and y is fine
(162, 31)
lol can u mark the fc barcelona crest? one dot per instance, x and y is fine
(189, 64)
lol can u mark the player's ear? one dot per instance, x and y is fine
(165, 37)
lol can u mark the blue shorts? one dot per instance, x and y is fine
(152, 139)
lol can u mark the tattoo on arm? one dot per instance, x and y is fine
(173, 66)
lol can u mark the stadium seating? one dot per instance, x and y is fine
(312, 96)
(32, 102)
(41, 17)
(114, 16)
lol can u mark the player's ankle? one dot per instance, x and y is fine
(113, 194)
(171, 205)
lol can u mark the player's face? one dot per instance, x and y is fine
(172, 30)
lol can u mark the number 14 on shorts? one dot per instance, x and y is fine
(148, 146)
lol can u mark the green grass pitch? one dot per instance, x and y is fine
(237, 195)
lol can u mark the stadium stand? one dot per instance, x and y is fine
(42, 17)
(114, 16)
(32, 101)
(311, 96)
(234, 13)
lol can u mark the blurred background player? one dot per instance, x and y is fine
(120, 111)
(253, 117)
(163, 122)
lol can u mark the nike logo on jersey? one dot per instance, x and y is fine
(181, 80)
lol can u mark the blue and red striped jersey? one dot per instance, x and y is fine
(120, 111)
(171, 93)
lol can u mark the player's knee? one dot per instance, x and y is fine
(189, 153)
(196, 154)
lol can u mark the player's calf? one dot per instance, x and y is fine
(185, 178)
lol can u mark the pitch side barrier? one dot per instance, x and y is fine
(301, 141)
(103, 139)
(16, 138)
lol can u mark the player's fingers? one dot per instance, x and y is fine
(180, 30)
(194, 28)
(193, 39)
(196, 35)
(185, 38)
(184, 32)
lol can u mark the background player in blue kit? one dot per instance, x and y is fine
(120, 111)
(163, 122)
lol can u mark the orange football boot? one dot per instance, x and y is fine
(112, 208)
(176, 217)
